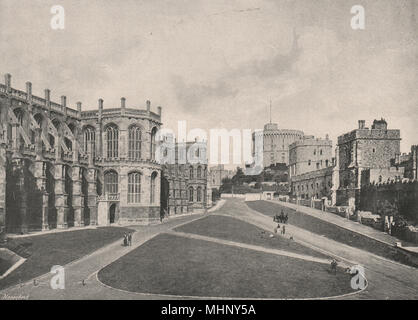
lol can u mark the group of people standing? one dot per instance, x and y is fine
(127, 239)
(282, 218)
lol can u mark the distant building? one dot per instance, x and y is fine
(276, 143)
(217, 173)
(361, 155)
(184, 187)
(408, 162)
(278, 172)
(310, 166)
(314, 184)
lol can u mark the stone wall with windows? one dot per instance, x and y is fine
(185, 180)
(56, 162)
(315, 184)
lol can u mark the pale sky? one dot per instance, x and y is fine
(217, 64)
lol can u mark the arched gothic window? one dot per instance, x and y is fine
(191, 194)
(134, 150)
(112, 139)
(153, 143)
(153, 186)
(134, 187)
(111, 182)
(89, 137)
(199, 194)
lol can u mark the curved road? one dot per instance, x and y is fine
(387, 279)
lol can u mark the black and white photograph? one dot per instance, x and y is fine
(226, 152)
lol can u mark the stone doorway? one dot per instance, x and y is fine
(112, 213)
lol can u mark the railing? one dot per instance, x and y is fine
(56, 107)
(67, 156)
(38, 101)
(89, 114)
(18, 94)
(109, 197)
(72, 112)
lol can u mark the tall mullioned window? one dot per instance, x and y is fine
(134, 150)
(153, 186)
(111, 182)
(112, 139)
(89, 137)
(199, 172)
(199, 194)
(134, 187)
(191, 173)
(191, 194)
(153, 143)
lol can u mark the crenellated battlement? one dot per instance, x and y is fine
(375, 133)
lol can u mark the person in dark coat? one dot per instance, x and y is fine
(130, 238)
(334, 264)
(125, 239)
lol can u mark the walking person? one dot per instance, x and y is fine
(283, 230)
(125, 240)
(278, 227)
(130, 238)
(334, 264)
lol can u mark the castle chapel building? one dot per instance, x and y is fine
(61, 167)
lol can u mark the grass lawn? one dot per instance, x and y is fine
(329, 230)
(232, 229)
(44, 251)
(4, 265)
(170, 264)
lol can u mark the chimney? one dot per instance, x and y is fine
(8, 81)
(327, 137)
(29, 91)
(122, 105)
(148, 106)
(159, 111)
(361, 124)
